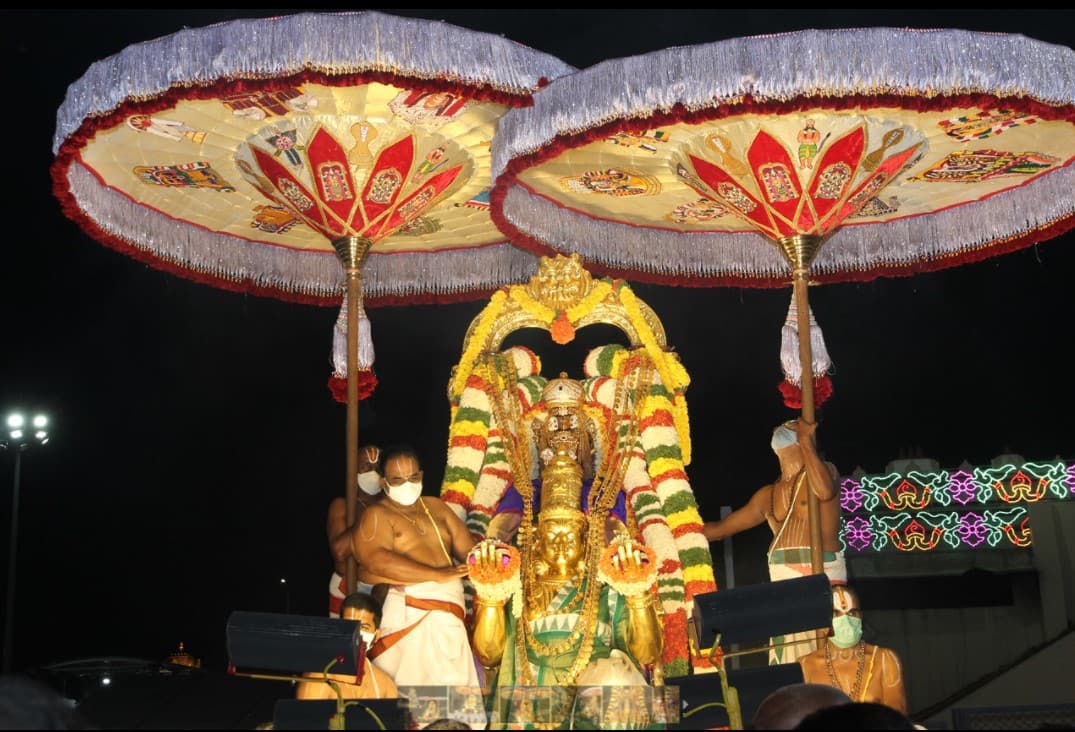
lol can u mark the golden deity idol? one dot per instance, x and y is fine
(574, 623)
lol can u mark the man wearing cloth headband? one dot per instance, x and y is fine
(783, 504)
(865, 672)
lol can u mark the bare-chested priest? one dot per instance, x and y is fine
(865, 672)
(783, 504)
(418, 546)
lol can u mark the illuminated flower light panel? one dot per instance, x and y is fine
(985, 507)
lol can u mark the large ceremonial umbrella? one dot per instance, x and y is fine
(853, 153)
(258, 155)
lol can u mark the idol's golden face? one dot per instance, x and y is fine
(561, 543)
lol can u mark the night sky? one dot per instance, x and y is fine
(195, 443)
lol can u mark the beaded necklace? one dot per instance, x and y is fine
(855, 691)
(417, 515)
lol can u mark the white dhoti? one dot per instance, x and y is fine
(423, 638)
(792, 563)
(336, 587)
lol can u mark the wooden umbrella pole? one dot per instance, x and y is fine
(352, 251)
(800, 252)
(806, 356)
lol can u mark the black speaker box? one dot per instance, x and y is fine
(292, 643)
(754, 613)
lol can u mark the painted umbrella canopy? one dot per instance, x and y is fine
(905, 150)
(236, 153)
(259, 155)
(822, 156)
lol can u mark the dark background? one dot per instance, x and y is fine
(195, 444)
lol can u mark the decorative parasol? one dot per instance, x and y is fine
(258, 155)
(853, 153)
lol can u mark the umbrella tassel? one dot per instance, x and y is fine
(367, 381)
(365, 342)
(791, 387)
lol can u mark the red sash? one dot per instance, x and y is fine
(387, 641)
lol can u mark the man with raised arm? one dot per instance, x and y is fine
(783, 505)
(339, 532)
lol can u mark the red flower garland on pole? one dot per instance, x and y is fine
(367, 382)
(793, 396)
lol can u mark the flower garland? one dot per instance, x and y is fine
(499, 582)
(673, 375)
(469, 440)
(561, 322)
(653, 527)
(669, 479)
(650, 514)
(497, 472)
(475, 452)
(793, 395)
(664, 471)
(676, 658)
(476, 343)
(367, 382)
(606, 365)
(630, 579)
(605, 361)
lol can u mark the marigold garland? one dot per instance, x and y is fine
(474, 475)
(673, 375)
(477, 342)
(500, 582)
(668, 478)
(600, 290)
(652, 522)
(676, 660)
(522, 298)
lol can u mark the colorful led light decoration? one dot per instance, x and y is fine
(899, 512)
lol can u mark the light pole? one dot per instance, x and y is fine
(287, 596)
(18, 438)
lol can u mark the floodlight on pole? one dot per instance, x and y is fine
(17, 440)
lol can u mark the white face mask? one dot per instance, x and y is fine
(367, 638)
(783, 436)
(370, 482)
(405, 494)
(847, 630)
